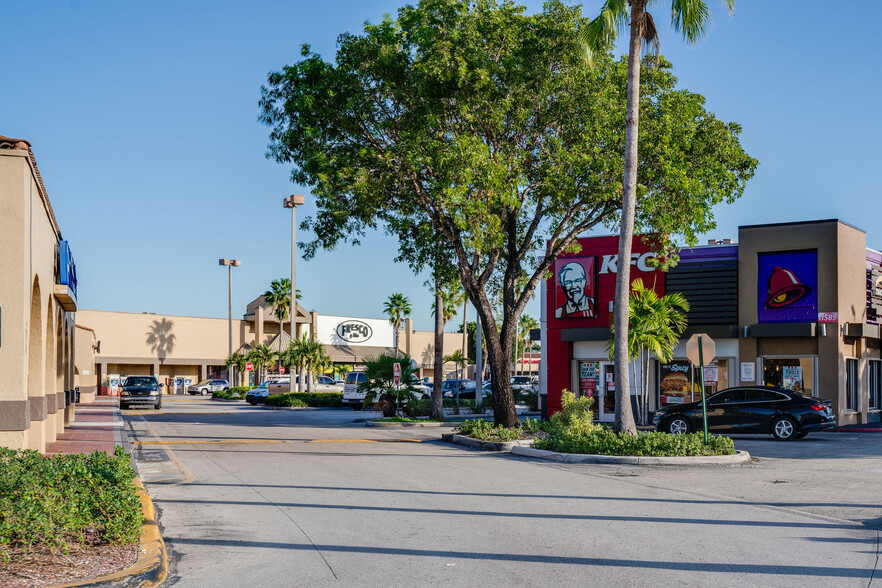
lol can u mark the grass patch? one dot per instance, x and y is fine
(64, 499)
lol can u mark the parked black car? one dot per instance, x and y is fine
(750, 409)
(140, 390)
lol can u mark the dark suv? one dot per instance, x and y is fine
(140, 390)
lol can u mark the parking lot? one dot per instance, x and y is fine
(313, 498)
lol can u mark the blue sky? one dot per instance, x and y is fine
(143, 118)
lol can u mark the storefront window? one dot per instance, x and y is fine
(852, 384)
(588, 374)
(716, 377)
(675, 382)
(875, 373)
(793, 373)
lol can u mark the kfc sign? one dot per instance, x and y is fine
(575, 288)
(583, 284)
(609, 265)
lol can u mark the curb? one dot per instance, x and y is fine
(152, 565)
(227, 399)
(290, 407)
(837, 430)
(487, 445)
(393, 425)
(741, 457)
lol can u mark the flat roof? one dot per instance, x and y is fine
(810, 222)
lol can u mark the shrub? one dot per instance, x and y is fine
(62, 499)
(531, 399)
(576, 414)
(486, 431)
(235, 393)
(603, 441)
(319, 399)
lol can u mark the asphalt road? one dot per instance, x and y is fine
(252, 497)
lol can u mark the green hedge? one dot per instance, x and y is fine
(487, 431)
(603, 441)
(63, 499)
(319, 399)
(237, 392)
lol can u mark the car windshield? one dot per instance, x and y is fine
(140, 381)
(449, 384)
(203, 382)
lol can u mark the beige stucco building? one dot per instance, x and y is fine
(195, 348)
(37, 305)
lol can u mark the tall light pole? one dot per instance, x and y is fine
(230, 263)
(292, 202)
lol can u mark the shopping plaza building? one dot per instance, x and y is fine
(38, 298)
(797, 305)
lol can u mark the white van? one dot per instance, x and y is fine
(351, 394)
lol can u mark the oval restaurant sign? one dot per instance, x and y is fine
(354, 331)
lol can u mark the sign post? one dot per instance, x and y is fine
(695, 351)
(396, 379)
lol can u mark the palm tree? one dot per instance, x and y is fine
(279, 297)
(458, 358)
(690, 18)
(295, 359)
(525, 324)
(656, 323)
(237, 361)
(316, 359)
(261, 356)
(397, 308)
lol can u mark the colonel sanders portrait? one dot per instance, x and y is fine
(572, 280)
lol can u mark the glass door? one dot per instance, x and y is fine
(607, 386)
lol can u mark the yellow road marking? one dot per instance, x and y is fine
(365, 441)
(252, 441)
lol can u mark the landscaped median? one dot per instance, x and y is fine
(89, 510)
(572, 436)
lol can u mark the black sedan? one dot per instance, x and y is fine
(785, 414)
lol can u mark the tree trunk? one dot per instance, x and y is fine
(624, 416)
(496, 346)
(465, 337)
(301, 378)
(437, 408)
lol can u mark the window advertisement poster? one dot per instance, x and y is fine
(587, 378)
(675, 382)
(748, 371)
(792, 378)
(787, 287)
(574, 288)
(711, 374)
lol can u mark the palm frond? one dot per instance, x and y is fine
(600, 33)
(692, 19)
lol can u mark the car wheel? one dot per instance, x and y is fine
(158, 405)
(124, 407)
(678, 426)
(226, 389)
(356, 407)
(203, 391)
(784, 429)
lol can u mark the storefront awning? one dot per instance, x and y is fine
(355, 353)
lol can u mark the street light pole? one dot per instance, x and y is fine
(292, 202)
(230, 263)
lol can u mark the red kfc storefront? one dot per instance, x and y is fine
(577, 312)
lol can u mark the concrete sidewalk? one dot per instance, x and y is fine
(96, 427)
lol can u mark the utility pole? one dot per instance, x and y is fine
(292, 202)
(230, 263)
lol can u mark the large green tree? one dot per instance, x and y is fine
(484, 124)
(691, 18)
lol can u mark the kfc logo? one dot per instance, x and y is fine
(575, 288)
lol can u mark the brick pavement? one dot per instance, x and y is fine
(97, 427)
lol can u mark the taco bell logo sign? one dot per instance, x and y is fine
(354, 331)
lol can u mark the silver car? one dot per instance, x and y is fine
(206, 386)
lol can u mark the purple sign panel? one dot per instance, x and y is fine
(787, 287)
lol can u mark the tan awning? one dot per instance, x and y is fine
(355, 354)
